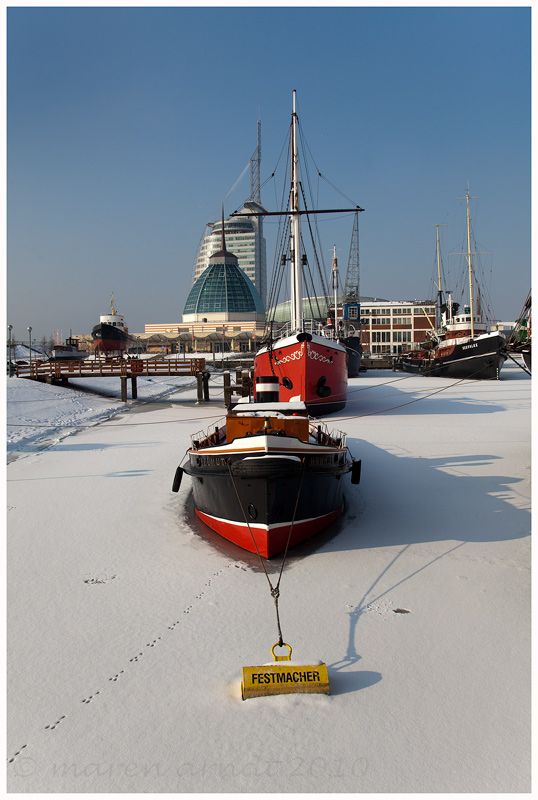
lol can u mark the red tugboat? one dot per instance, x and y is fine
(111, 335)
(307, 365)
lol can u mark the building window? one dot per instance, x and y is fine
(353, 312)
(381, 348)
(380, 336)
(401, 336)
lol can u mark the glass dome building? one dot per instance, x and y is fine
(223, 292)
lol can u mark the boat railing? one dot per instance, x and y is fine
(309, 326)
(322, 435)
(215, 434)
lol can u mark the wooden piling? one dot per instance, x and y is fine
(134, 387)
(199, 388)
(227, 389)
(205, 384)
(245, 383)
(123, 380)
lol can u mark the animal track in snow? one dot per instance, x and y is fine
(14, 756)
(53, 725)
(90, 698)
(116, 676)
(105, 579)
(153, 643)
(136, 658)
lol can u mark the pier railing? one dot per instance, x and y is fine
(128, 368)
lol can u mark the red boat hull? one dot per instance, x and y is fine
(109, 345)
(270, 540)
(314, 371)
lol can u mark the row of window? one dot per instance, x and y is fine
(395, 336)
(380, 312)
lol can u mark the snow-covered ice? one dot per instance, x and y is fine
(129, 622)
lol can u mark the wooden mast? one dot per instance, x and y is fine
(439, 282)
(295, 229)
(470, 260)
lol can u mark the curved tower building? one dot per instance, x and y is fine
(244, 235)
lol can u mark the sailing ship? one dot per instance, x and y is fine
(270, 476)
(461, 345)
(111, 334)
(306, 360)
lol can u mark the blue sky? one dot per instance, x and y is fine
(127, 127)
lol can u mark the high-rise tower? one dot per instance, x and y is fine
(244, 236)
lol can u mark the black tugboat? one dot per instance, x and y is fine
(270, 476)
(461, 346)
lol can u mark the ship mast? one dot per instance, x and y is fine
(295, 229)
(470, 259)
(439, 282)
(335, 287)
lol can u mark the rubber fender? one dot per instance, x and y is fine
(177, 479)
(356, 471)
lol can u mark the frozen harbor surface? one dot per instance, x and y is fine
(128, 622)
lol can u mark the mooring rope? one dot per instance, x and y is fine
(519, 364)
(274, 589)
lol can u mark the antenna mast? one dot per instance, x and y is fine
(255, 168)
(353, 273)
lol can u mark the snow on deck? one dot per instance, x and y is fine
(129, 622)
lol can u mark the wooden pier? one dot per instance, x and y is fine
(61, 371)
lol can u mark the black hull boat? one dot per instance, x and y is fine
(108, 338)
(520, 340)
(353, 355)
(110, 335)
(461, 346)
(481, 358)
(270, 477)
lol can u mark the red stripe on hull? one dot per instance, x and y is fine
(270, 542)
(304, 364)
(109, 345)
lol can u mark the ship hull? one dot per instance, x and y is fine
(353, 355)
(526, 353)
(107, 338)
(479, 359)
(312, 369)
(256, 505)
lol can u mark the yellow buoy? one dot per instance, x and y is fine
(284, 676)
